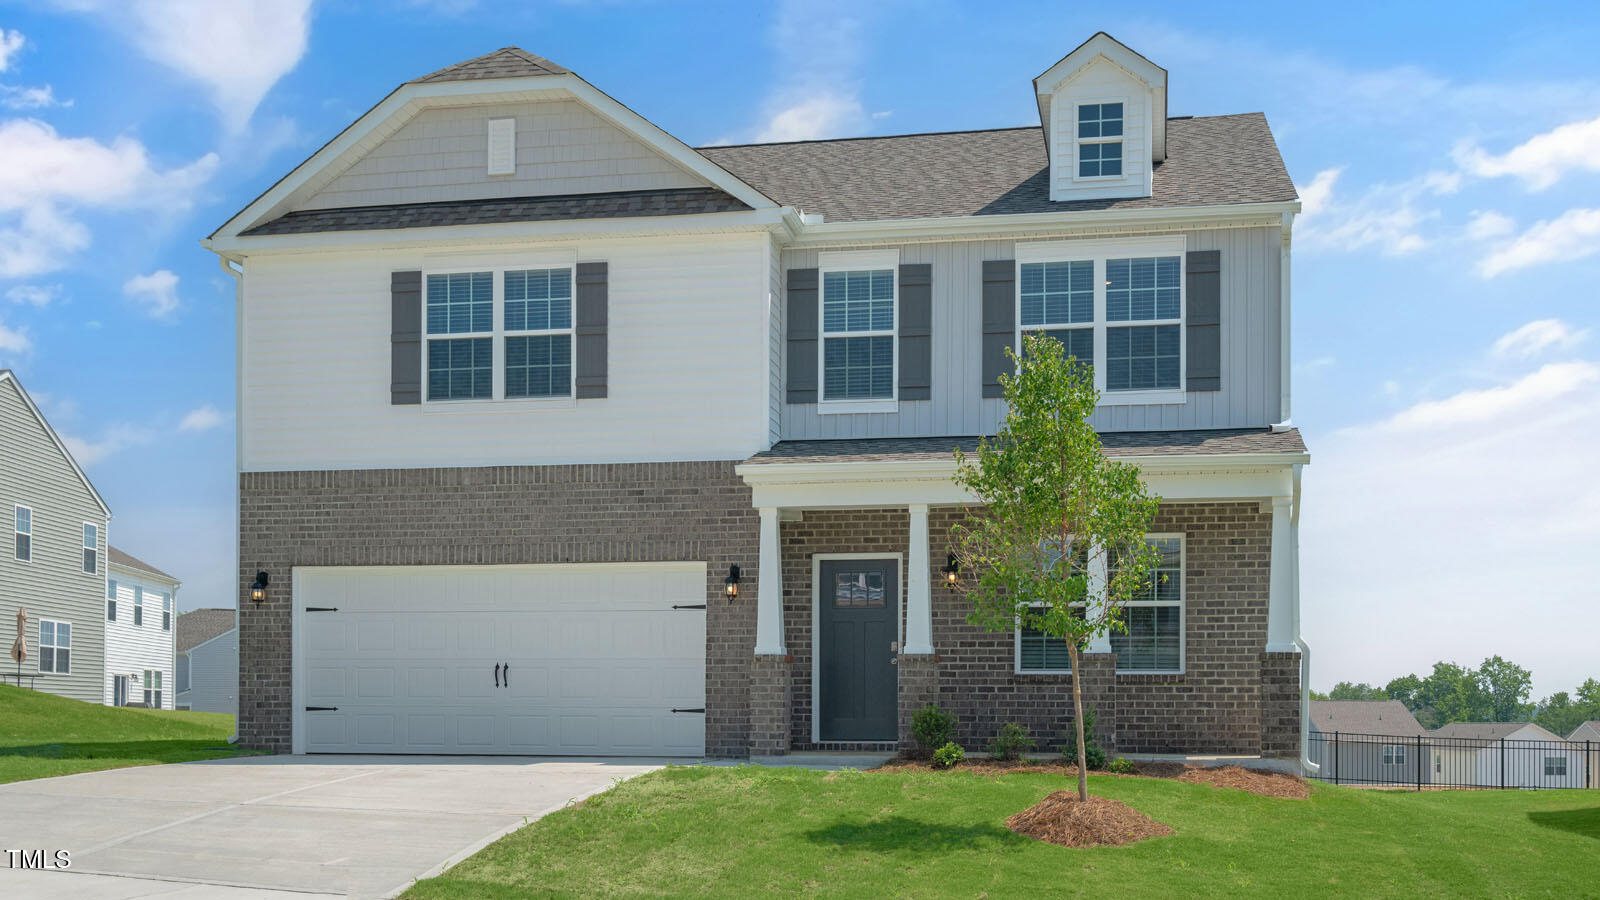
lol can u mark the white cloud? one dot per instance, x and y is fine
(1387, 217)
(822, 115)
(1552, 381)
(115, 439)
(1572, 235)
(14, 340)
(47, 176)
(41, 97)
(38, 295)
(156, 293)
(201, 418)
(1489, 224)
(819, 51)
(1540, 161)
(238, 50)
(10, 43)
(1537, 336)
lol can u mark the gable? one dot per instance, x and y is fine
(38, 470)
(562, 147)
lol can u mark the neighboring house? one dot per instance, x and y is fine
(1505, 754)
(558, 435)
(140, 609)
(1348, 742)
(53, 562)
(1587, 736)
(208, 661)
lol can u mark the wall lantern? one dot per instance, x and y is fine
(951, 567)
(258, 591)
(732, 582)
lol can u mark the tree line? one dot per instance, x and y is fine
(1498, 690)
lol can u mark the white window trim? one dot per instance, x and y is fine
(1097, 252)
(15, 508)
(817, 559)
(857, 261)
(498, 333)
(1078, 142)
(39, 637)
(1397, 758)
(95, 548)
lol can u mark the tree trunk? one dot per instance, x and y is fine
(1077, 721)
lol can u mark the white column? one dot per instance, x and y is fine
(919, 589)
(1100, 643)
(769, 587)
(1280, 602)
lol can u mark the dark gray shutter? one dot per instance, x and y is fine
(590, 329)
(1203, 285)
(801, 296)
(999, 321)
(916, 331)
(405, 338)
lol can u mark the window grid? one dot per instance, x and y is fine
(138, 606)
(538, 307)
(91, 548)
(1099, 140)
(152, 688)
(55, 647)
(499, 334)
(166, 612)
(1555, 766)
(1394, 754)
(460, 303)
(1147, 356)
(1153, 640)
(858, 329)
(22, 526)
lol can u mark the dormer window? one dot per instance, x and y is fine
(1099, 140)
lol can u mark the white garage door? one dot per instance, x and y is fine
(563, 659)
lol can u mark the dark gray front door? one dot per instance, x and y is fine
(857, 607)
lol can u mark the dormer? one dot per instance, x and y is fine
(1104, 112)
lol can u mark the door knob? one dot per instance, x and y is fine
(894, 646)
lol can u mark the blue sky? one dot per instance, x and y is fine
(1447, 374)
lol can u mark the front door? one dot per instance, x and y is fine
(857, 603)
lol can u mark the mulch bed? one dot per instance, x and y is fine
(1062, 818)
(1266, 784)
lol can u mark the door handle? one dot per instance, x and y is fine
(894, 646)
(496, 674)
(505, 675)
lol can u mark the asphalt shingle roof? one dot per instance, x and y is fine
(198, 626)
(621, 204)
(1210, 160)
(119, 558)
(1387, 717)
(507, 62)
(1116, 443)
(1484, 731)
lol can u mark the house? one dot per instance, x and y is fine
(140, 610)
(53, 565)
(560, 436)
(1348, 740)
(1587, 736)
(208, 661)
(1505, 754)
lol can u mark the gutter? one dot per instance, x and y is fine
(1306, 764)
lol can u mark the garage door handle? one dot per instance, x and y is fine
(505, 675)
(496, 674)
(698, 709)
(322, 709)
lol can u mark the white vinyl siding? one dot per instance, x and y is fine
(1080, 145)
(133, 648)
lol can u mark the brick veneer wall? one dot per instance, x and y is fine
(1280, 705)
(645, 512)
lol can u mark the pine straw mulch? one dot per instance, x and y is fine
(1062, 818)
(1264, 783)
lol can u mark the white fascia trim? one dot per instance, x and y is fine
(128, 575)
(62, 447)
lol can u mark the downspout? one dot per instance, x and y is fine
(1306, 764)
(238, 452)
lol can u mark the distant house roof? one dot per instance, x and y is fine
(201, 625)
(1204, 442)
(507, 62)
(1592, 727)
(1365, 717)
(1484, 731)
(129, 561)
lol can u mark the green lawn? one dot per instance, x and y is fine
(43, 735)
(739, 832)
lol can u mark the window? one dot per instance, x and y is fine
(91, 548)
(461, 368)
(152, 688)
(1099, 140)
(1153, 640)
(55, 647)
(538, 324)
(138, 606)
(1143, 357)
(522, 318)
(1555, 767)
(1058, 300)
(24, 534)
(111, 601)
(1036, 651)
(860, 590)
(1394, 754)
(858, 331)
(166, 612)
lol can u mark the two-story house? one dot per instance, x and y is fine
(140, 619)
(560, 436)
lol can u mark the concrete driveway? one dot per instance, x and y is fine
(358, 826)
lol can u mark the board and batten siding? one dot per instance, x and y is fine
(688, 339)
(561, 146)
(214, 675)
(131, 649)
(35, 473)
(1250, 341)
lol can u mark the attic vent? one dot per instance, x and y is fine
(502, 146)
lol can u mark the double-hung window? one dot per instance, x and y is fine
(1146, 290)
(91, 548)
(499, 334)
(138, 606)
(1058, 300)
(1555, 767)
(1394, 754)
(55, 647)
(111, 601)
(1099, 140)
(858, 327)
(1152, 637)
(22, 547)
(152, 688)
(1037, 652)
(166, 612)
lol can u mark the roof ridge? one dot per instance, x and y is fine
(478, 67)
(911, 134)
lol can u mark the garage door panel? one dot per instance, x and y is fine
(425, 731)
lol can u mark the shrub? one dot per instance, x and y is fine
(933, 728)
(1122, 766)
(947, 756)
(1012, 741)
(1069, 744)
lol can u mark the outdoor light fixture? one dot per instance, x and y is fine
(732, 582)
(258, 591)
(951, 567)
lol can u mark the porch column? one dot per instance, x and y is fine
(769, 588)
(1100, 643)
(919, 593)
(1280, 601)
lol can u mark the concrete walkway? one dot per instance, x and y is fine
(357, 826)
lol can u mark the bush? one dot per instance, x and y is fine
(1122, 766)
(947, 756)
(1069, 744)
(1012, 741)
(933, 728)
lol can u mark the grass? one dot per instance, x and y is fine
(747, 831)
(42, 735)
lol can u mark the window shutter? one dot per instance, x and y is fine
(999, 321)
(590, 330)
(801, 297)
(1203, 285)
(405, 338)
(916, 331)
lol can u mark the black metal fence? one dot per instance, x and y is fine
(1439, 762)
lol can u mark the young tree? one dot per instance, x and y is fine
(1059, 543)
